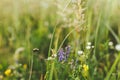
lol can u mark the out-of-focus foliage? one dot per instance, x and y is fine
(29, 24)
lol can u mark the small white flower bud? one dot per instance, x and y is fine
(88, 47)
(89, 43)
(117, 47)
(80, 52)
(110, 43)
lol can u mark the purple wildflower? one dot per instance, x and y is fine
(67, 51)
(61, 54)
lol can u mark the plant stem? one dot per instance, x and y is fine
(31, 67)
(113, 67)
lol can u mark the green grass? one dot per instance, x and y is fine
(52, 25)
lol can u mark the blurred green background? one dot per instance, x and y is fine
(30, 23)
(27, 24)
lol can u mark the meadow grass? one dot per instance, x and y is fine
(77, 40)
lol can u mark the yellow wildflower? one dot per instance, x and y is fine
(85, 67)
(8, 72)
(25, 66)
(85, 70)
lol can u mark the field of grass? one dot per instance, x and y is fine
(59, 40)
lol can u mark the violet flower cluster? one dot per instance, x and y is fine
(63, 55)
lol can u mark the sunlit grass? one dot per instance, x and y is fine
(87, 26)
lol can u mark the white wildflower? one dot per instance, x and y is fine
(92, 46)
(88, 47)
(89, 43)
(50, 58)
(117, 47)
(110, 43)
(54, 55)
(80, 52)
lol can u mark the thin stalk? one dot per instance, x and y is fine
(51, 41)
(96, 34)
(53, 64)
(113, 33)
(66, 5)
(67, 37)
(89, 25)
(51, 72)
(31, 67)
(119, 30)
(112, 68)
(55, 29)
(52, 68)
